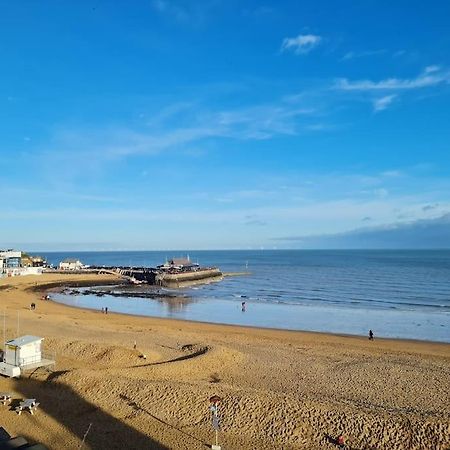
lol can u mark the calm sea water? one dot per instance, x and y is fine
(403, 294)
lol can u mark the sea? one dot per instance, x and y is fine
(397, 294)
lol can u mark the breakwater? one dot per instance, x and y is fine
(181, 279)
(164, 278)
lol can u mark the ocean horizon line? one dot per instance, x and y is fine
(384, 249)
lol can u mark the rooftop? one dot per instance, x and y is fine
(24, 340)
(180, 262)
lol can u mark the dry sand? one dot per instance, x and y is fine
(280, 389)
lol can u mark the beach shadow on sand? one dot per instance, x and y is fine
(73, 412)
(201, 351)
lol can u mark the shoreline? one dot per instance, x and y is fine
(205, 325)
(250, 327)
(224, 323)
(281, 388)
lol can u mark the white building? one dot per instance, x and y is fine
(11, 264)
(180, 264)
(70, 264)
(10, 259)
(21, 353)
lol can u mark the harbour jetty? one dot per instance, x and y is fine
(177, 272)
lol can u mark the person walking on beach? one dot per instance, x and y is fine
(106, 310)
(370, 335)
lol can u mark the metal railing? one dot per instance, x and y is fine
(23, 362)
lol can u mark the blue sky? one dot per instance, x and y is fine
(220, 124)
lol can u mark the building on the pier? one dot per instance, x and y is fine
(71, 264)
(183, 264)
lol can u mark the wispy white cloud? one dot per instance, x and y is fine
(427, 78)
(252, 220)
(260, 11)
(380, 104)
(306, 203)
(262, 121)
(186, 12)
(24, 193)
(431, 69)
(326, 214)
(362, 54)
(72, 147)
(381, 192)
(245, 195)
(392, 173)
(301, 44)
(190, 126)
(167, 7)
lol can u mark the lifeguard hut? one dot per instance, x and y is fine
(23, 353)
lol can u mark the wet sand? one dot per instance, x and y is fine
(280, 389)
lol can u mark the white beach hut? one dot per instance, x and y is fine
(23, 351)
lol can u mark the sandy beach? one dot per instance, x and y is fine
(280, 389)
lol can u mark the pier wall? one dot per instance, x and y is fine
(154, 276)
(188, 278)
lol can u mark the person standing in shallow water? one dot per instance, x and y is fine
(370, 335)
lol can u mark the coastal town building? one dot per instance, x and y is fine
(10, 259)
(14, 262)
(71, 264)
(33, 261)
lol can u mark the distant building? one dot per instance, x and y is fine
(10, 259)
(13, 263)
(38, 261)
(10, 262)
(33, 261)
(179, 264)
(70, 264)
